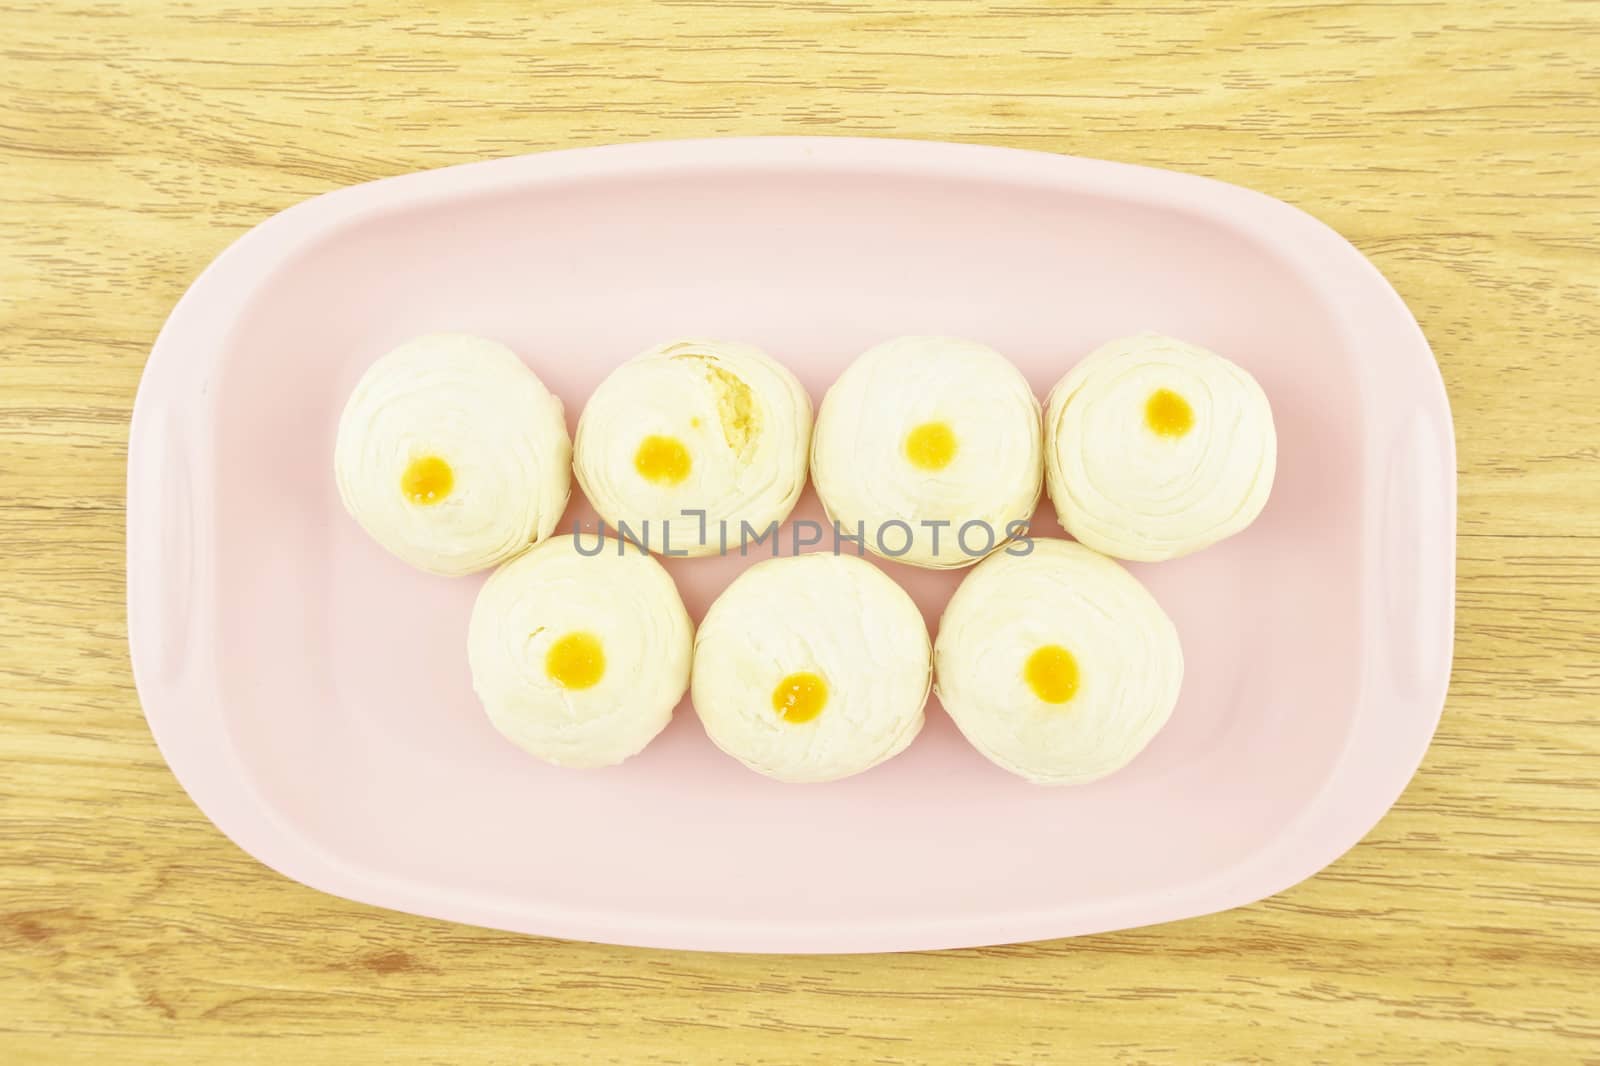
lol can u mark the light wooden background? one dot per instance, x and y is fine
(1456, 144)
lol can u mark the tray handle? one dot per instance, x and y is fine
(1420, 502)
(161, 517)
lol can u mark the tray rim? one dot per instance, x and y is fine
(169, 580)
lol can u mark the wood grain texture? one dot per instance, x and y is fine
(1457, 144)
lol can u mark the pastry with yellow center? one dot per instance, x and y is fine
(694, 426)
(580, 657)
(923, 436)
(452, 454)
(1155, 448)
(812, 668)
(1057, 665)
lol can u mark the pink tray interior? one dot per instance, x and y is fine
(313, 693)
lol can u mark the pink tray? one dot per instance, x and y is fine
(312, 694)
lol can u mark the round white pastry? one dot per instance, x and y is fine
(812, 668)
(452, 454)
(580, 658)
(931, 447)
(694, 426)
(1155, 448)
(1057, 665)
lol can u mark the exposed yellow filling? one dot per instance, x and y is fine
(427, 480)
(663, 460)
(1168, 414)
(800, 697)
(931, 446)
(1052, 673)
(576, 661)
(736, 404)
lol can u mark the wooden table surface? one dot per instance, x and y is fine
(1458, 145)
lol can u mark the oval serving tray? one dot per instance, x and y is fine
(312, 694)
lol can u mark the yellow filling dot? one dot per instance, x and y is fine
(1168, 414)
(800, 697)
(1052, 673)
(576, 661)
(663, 460)
(427, 480)
(931, 446)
